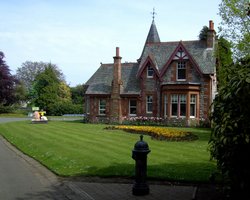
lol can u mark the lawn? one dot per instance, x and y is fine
(74, 148)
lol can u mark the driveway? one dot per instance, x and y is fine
(23, 178)
(12, 119)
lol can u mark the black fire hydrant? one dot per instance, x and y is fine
(139, 154)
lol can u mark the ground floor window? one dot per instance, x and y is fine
(165, 106)
(149, 104)
(132, 107)
(192, 105)
(174, 105)
(87, 105)
(178, 105)
(102, 106)
(182, 100)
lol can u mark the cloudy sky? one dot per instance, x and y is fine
(78, 35)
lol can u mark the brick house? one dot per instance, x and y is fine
(172, 80)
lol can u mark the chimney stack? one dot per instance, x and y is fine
(211, 35)
(117, 67)
(115, 107)
(211, 25)
(117, 52)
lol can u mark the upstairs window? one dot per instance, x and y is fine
(150, 72)
(132, 107)
(102, 107)
(181, 71)
(149, 104)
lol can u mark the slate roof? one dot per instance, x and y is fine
(153, 35)
(101, 80)
(161, 52)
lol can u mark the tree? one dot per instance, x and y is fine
(230, 138)
(203, 33)
(64, 93)
(78, 94)
(29, 71)
(49, 90)
(45, 88)
(235, 26)
(7, 83)
(224, 60)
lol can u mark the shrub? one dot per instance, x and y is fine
(6, 109)
(61, 108)
(230, 139)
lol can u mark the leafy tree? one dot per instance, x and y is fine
(230, 138)
(78, 94)
(224, 60)
(7, 83)
(64, 92)
(45, 88)
(21, 93)
(49, 90)
(29, 71)
(235, 26)
(203, 33)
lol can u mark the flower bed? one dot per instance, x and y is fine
(159, 133)
(142, 120)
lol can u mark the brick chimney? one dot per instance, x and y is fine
(211, 35)
(115, 107)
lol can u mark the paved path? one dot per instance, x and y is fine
(23, 178)
(12, 119)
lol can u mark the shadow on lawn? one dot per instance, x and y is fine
(175, 172)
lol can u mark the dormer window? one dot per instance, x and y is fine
(181, 71)
(150, 72)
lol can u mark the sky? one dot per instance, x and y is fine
(78, 35)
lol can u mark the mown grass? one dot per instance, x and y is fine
(74, 148)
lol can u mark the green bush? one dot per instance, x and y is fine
(61, 108)
(6, 109)
(230, 138)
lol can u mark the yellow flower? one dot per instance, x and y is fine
(156, 132)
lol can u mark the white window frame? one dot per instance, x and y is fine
(174, 97)
(181, 65)
(182, 101)
(131, 106)
(149, 100)
(178, 99)
(150, 72)
(165, 106)
(102, 106)
(193, 100)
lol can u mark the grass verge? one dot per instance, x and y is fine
(73, 148)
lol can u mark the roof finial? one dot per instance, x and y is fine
(153, 14)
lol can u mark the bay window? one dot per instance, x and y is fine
(178, 105)
(192, 105)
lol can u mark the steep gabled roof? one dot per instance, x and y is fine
(101, 81)
(152, 62)
(180, 47)
(197, 49)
